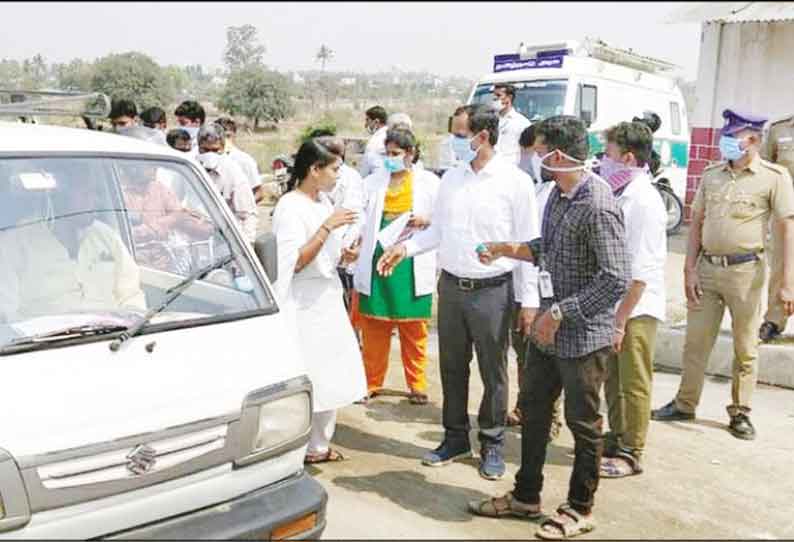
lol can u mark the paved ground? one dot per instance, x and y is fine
(700, 482)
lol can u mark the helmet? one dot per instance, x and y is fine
(649, 119)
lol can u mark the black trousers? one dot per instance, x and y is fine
(544, 378)
(468, 321)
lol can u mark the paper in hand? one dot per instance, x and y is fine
(396, 232)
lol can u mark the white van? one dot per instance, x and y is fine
(601, 85)
(147, 388)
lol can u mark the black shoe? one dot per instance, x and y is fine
(740, 427)
(670, 413)
(768, 332)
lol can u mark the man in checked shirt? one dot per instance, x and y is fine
(584, 272)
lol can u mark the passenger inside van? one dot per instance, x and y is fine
(60, 257)
(162, 227)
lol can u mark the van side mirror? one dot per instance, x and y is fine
(266, 250)
(587, 118)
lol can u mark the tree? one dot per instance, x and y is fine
(257, 94)
(76, 75)
(324, 55)
(132, 76)
(242, 47)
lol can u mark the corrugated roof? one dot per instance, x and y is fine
(733, 12)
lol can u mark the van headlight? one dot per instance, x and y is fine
(14, 506)
(275, 420)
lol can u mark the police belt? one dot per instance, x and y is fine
(732, 259)
(468, 285)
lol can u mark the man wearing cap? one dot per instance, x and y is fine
(779, 148)
(725, 265)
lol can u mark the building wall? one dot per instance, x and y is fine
(743, 66)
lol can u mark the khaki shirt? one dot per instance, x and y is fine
(738, 205)
(779, 146)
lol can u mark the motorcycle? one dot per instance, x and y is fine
(672, 203)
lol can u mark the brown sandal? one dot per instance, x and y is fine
(504, 506)
(331, 456)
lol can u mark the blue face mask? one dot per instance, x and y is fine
(462, 148)
(394, 164)
(731, 148)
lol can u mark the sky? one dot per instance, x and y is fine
(445, 38)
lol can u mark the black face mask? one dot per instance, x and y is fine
(546, 175)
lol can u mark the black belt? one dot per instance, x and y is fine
(468, 285)
(731, 259)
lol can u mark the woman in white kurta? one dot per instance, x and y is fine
(310, 247)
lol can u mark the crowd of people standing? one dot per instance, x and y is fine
(527, 244)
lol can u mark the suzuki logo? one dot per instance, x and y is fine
(141, 459)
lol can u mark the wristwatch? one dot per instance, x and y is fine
(555, 312)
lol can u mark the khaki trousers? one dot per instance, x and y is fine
(628, 385)
(739, 288)
(775, 312)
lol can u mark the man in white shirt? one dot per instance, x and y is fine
(376, 124)
(630, 369)
(485, 197)
(229, 179)
(511, 123)
(246, 162)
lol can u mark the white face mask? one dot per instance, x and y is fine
(562, 169)
(209, 160)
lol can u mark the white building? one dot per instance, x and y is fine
(746, 63)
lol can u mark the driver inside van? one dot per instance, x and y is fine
(61, 258)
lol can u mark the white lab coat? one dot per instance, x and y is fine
(312, 302)
(425, 186)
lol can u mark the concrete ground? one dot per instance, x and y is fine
(700, 482)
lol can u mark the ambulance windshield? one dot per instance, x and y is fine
(536, 100)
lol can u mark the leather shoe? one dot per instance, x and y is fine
(670, 413)
(740, 427)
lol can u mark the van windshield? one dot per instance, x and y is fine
(536, 100)
(93, 242)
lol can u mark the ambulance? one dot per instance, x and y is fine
(603, 86)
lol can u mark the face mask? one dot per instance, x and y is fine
(463, 150)
(192, 130)
(394, 164)
(123, 130)
(496, 105)
(731, 149)
(547, 172)
(209, 160)
(607, 166)
(371, 129)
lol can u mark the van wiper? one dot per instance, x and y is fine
(170, 295)
(62, 334)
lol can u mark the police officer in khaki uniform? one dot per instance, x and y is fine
(779, 148)
(725, 265)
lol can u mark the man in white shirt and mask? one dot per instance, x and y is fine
(511, 122)
(246, 162)
(630, 368)
(376, 124)
(484, 196)
(229, 179)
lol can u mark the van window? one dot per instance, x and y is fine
(85, 241)
(536, 100)
(587, 103)
(675, 118)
